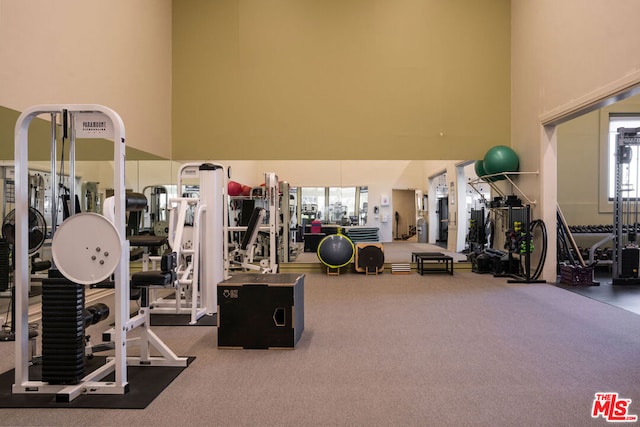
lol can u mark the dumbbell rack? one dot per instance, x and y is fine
(525, 217)
(606, 238)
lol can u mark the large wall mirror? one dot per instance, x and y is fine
(336, 194)
(346, 206)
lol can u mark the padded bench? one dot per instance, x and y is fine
(141, 244)
(142, 280)
(163, 277)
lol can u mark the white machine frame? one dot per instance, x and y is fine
(198, 278)
(92, 383)
(273, 190)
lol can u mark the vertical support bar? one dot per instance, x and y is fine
(145, 353)
(548, 190)
(21, 273)
(271, 182)
(460, 196)
(299, 209)
(212, 254)
(617, 208)
(54, 176)
(527, 242)
(72, 162)
(121, 274)
(198, 277)
(286, 220)
(225, 226)
(217, 230)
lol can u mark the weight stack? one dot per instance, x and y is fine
(4, 264)
(630, 262)
(63, 343)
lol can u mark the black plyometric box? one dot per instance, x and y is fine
(261, 311)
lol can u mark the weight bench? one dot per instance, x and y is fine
(249, 238)
(162, 278)
(142, 244)
(142, 281)
(165, 277)
(245, 251)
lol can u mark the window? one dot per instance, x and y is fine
(342, 205)
(313, 202)
(630, 175)
(334, 205)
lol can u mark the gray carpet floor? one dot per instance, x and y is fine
(399, 350)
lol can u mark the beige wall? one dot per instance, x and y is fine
(579, 170)
(116, 53)
(328, 80)
(289, 79)
(564, 56)
(583, 167)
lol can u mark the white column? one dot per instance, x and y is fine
(549, 196)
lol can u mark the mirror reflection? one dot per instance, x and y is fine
(332, 205)
(393, 199)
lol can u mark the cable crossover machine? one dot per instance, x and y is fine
(87, 249)
(626, 253)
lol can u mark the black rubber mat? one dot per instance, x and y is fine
(626, 297)
(145, 384)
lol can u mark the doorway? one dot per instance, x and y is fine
(443, 221)
(405, 215)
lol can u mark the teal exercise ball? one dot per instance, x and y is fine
(500, 159)
(480, 172)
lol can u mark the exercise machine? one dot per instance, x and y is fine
(195, 234)
(626, 253)
(242, 255)
(157, 215)
(37, 229)
(91, 201)
(80, 260)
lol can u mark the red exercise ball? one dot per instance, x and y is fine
(234, 188)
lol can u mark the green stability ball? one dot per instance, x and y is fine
(500, 159)
(480, 172)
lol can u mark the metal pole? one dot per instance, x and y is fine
(54, 185)
(72, 164)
